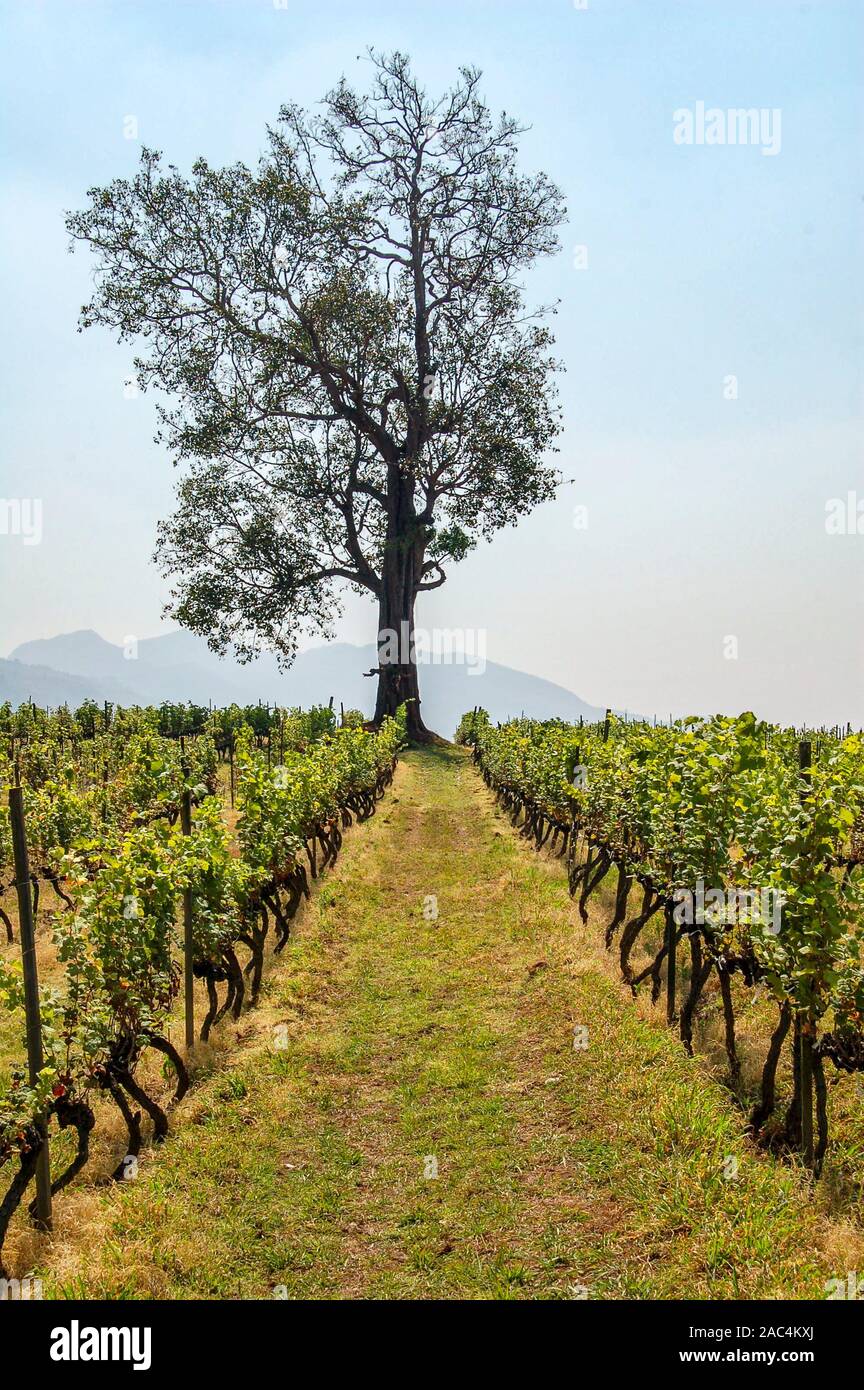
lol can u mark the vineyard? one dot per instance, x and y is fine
(733, 844)
(155, 882)
(168, 854)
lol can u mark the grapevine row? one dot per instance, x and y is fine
(123, 866)
(745, 847)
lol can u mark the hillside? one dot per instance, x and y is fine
(180, 666)
(21, 681)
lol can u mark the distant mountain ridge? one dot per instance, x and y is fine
(22, 681)
(180, 666)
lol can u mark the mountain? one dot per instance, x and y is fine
(20, 681)
(180, 666)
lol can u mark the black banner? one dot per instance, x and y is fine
(220, 1339)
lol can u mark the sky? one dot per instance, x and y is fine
(709, 318)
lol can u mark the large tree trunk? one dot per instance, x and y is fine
(400, 580)
(397, 671)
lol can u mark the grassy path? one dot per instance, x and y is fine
(411, 1047)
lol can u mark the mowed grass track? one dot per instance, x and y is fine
(411, 1046)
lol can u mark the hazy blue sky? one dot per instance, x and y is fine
(706, 515)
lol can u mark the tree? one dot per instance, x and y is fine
(353, 380)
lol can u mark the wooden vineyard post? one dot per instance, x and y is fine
(606, 726)
(231, 767)
(35, 1060)
(574, 761)
(188, 978)
(671, 963)
(802, 1032)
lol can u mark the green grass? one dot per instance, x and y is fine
(419, 1046)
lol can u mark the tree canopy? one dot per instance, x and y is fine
(347, 368)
